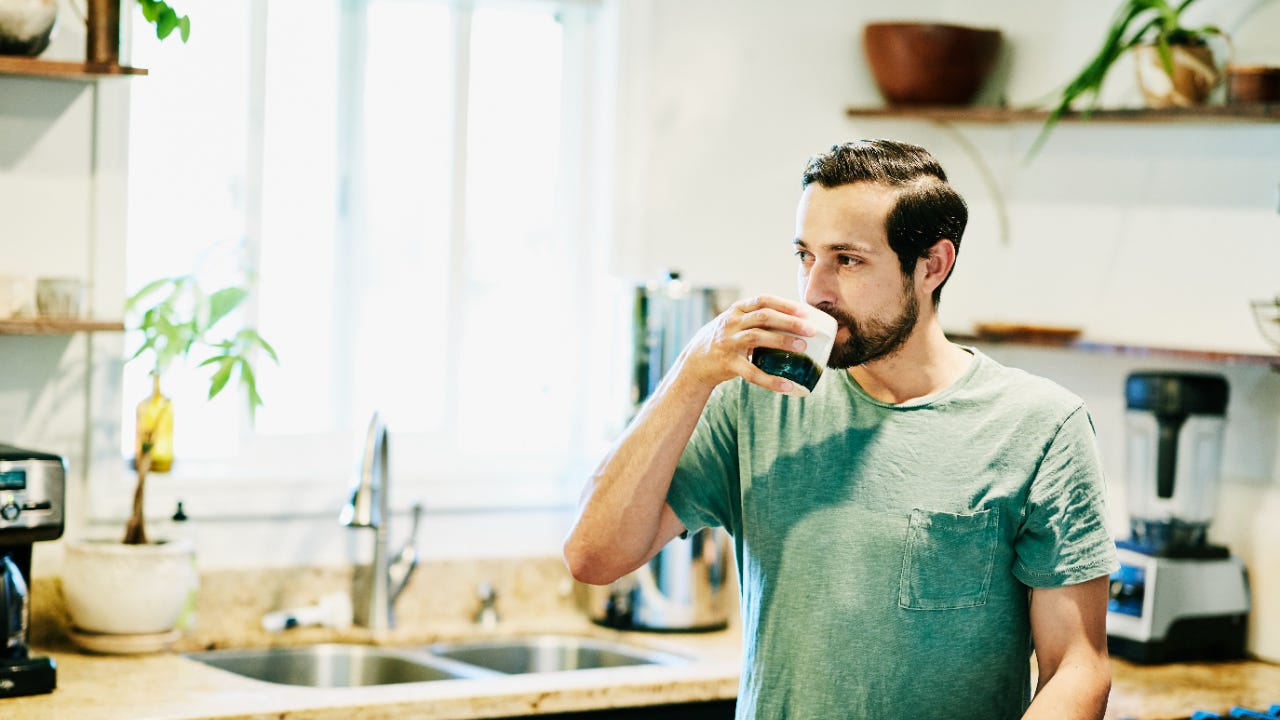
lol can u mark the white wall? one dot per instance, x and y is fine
(1147, 234)
(1108, 229)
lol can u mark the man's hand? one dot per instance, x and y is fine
(721, 350)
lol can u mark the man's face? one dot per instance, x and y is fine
(848, 270)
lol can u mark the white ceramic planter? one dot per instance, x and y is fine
(128, 589)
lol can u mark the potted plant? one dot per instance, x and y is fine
(1174, 61)
(177, 317)
(128, 596)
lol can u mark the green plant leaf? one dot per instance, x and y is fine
(165, 19)
(221, 375)
(249, 338)
(1156, 18)
(137, 298)
(1166, 54)
(223, 302)
(251, 386)
(267, 347)
(181, 318)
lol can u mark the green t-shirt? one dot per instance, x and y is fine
(885, 552)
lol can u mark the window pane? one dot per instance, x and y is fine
(329, 163)
(401, 264)
(187, 180)
(518, 341)
(297, 300)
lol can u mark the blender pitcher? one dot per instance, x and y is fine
(1174, 425)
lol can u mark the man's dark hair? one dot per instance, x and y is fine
(927, 210)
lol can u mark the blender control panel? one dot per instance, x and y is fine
(1127, 590)
(31, 497)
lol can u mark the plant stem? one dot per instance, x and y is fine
(135, 532)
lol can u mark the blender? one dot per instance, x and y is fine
(1176, 596)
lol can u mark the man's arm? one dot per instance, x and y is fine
(1069, 628)
(623, 516)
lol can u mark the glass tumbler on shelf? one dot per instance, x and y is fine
(1266, 313)
(155, 427)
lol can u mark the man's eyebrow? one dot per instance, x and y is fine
(836, 247)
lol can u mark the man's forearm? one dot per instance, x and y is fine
(621, 508)
(1075, 692)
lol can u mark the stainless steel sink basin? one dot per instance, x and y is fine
(550, 653)
(335, 665)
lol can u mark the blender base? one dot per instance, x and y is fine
(1164, 609)
(1188, 639)
(27, 676)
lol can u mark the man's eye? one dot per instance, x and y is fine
(848, 260)
(803, 255)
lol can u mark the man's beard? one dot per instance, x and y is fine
(873, 339)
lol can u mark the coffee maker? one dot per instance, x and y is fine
(31, 509)
(1176, 596)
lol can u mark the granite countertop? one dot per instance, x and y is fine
(1175, 691)
(171, 687)
(534, 597)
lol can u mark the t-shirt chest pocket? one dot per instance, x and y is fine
(948, 559)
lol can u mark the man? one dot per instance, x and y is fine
(907, 533)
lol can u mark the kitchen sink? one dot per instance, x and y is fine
(336, 665)
(342, 665)
(550, 653)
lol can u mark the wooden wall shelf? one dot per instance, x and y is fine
(35, 67)
(1092, 346)
(57, 326)
(1252, 112)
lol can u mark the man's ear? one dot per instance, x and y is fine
(937, 265)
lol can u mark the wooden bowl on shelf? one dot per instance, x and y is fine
(916, 63)
(1253, 83)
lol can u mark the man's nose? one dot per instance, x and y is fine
(820, 286)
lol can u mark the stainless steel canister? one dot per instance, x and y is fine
(688, 585)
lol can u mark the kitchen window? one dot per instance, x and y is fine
(417, 187)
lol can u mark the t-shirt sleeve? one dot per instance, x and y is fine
(704, 489)
(1064, 538)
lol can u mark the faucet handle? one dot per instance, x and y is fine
(487, 615)
(403, 564)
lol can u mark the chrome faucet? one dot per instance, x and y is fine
(369, 508)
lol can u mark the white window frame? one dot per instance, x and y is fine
(305, 476)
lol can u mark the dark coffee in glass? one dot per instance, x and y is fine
(794, 366)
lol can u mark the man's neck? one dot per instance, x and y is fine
(927, 363)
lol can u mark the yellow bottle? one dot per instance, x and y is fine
(155, 427)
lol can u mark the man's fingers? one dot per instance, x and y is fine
(774, 319)
(760, 302)
(756, 376)
(756, 338)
